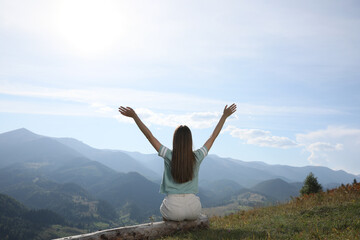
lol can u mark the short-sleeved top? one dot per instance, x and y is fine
(168, 185)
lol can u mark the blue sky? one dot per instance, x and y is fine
(292, 67)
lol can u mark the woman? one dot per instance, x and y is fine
(181, 167)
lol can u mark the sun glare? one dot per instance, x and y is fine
(89, 28)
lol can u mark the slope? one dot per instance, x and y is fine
(18, 222)
(69, 200)
(328, 215)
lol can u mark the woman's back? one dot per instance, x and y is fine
(168, 184)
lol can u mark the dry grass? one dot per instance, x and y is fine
(334, 214)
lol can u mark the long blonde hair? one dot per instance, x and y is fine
(183, 159)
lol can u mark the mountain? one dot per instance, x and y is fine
(114, 159)
(248, 174)
(132, 188)
(222, 186)
(218, 192)
(298, 174)
(216, 168)
(33, 159)
(66, 160)
(24, 146)
(55, 151)
(278, 189)
(17, 136)
(150, 161)
(212, 168)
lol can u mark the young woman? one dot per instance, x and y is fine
(181, 167)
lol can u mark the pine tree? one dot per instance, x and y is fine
(311, 185)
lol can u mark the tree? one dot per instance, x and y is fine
(311, 185)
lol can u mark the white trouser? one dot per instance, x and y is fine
(179, 207)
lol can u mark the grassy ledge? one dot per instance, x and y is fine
(334, 214)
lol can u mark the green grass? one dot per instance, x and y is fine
(334, 214)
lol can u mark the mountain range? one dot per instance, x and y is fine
(42, 171)
(85, 184)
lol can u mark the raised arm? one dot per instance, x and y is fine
(129, 112)
(227, 112)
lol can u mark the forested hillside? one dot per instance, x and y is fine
(20, 223)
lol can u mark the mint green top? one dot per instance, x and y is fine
(168, 185)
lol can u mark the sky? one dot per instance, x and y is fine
(292, 68)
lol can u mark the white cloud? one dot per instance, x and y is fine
(194, 120)
(113, 97)
(319, 152)
(171, 109)
(101, 108)
(101, 102)
(332, 132)
(323, 146)
(260, 137)
(261, 110)
(335, 147)
(105, 100)
(197, 120)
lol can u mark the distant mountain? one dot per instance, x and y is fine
(222, 186)
(38, 157)
(151, 161)
(216, 168)
(114, 159)
(278, 189)
(248, 174)
(37, 148)
(134, 189)
(24, 146)
(297, 185)
(213, 168)
(64, 160)
(18, 136)
(215, 193)
(298, 174)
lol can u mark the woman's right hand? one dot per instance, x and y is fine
(127, 111)
(229, 110)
